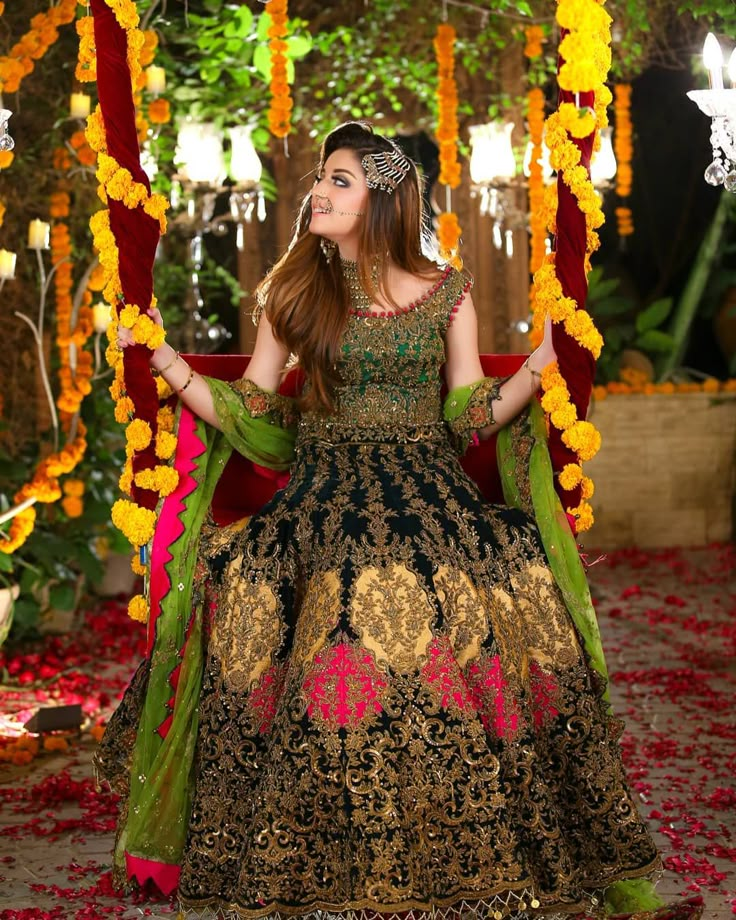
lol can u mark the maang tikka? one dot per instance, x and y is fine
(386, 169)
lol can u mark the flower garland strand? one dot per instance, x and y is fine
(31, 47)
(624, 149)
(535, 120)
(448, 226)
(279, 111)
(136, 522)
(586, 57)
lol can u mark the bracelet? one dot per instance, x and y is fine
(189, 380)
(531, 370)
(170, 364)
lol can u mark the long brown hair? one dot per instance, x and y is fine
(306, 299)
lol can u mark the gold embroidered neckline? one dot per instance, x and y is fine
(350, 270)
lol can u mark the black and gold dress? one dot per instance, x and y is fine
(397, 715)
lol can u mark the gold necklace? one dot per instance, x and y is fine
(360, 301)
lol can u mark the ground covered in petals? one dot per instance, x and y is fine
(669, 626)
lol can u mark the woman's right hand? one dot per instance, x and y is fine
(125, 335)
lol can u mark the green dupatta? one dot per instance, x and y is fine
(153, 832)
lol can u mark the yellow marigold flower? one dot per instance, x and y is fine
(162, 388)
(587, 487)
(165, 444)
(564, 417)
(74, 488)
(583, 515)
(583, 438)
(138, 609)
(161, 479)
(554, 399)
(73, 507)
(129, 315)
(138, 435)
(136, 523)
(600, 392)
(570, 476)
(124, 410)
(125, 482)
(579, 122)
(135, 564)
(165, 418)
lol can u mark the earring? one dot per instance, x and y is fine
(329, 248)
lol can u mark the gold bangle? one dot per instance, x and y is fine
(189, 380)
(161, 370)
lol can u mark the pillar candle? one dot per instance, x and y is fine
(79, 105)
(155, 79)
(7, 264)
(101, 317)
(38, 234)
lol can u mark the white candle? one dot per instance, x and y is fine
(101, 317)
(7, 264)
(713, 60)
(732, 69)
(155, 79)
(38, 234)
(79, 105)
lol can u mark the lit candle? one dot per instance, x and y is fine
(732, 69)
(713, 60)
(7, 265)
(155, 79)
(79, 105)
(38, 234)
(101, 317)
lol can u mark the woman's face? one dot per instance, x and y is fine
(339, 198)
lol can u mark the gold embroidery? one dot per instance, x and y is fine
(392, 614)
(247, 631)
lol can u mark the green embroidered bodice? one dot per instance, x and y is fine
(390, 368)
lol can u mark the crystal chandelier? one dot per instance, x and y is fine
(720, 105)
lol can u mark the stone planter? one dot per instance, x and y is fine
(666, 471)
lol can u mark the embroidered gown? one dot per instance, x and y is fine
(397, 714)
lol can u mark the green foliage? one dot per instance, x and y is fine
(624, 325)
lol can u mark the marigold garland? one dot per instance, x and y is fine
(624, 149)
(23, 55)
(535, 121)
(587, 58)
(279, 111)
(448, 226)
(117, 183)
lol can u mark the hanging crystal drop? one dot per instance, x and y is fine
(729, 183)
(715, 173)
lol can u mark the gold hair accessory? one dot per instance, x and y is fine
(386, 169)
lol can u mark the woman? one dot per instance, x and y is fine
(397, 712)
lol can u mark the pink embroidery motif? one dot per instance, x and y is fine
(264, 699)
(343, 686)
(498, 711)
(544, 693)
(443, 674)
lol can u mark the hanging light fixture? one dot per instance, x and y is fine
(720, 105)
(603, 162)
(493, 174)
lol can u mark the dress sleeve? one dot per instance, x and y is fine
(469, 408)
(259, 425)
(454, 289)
